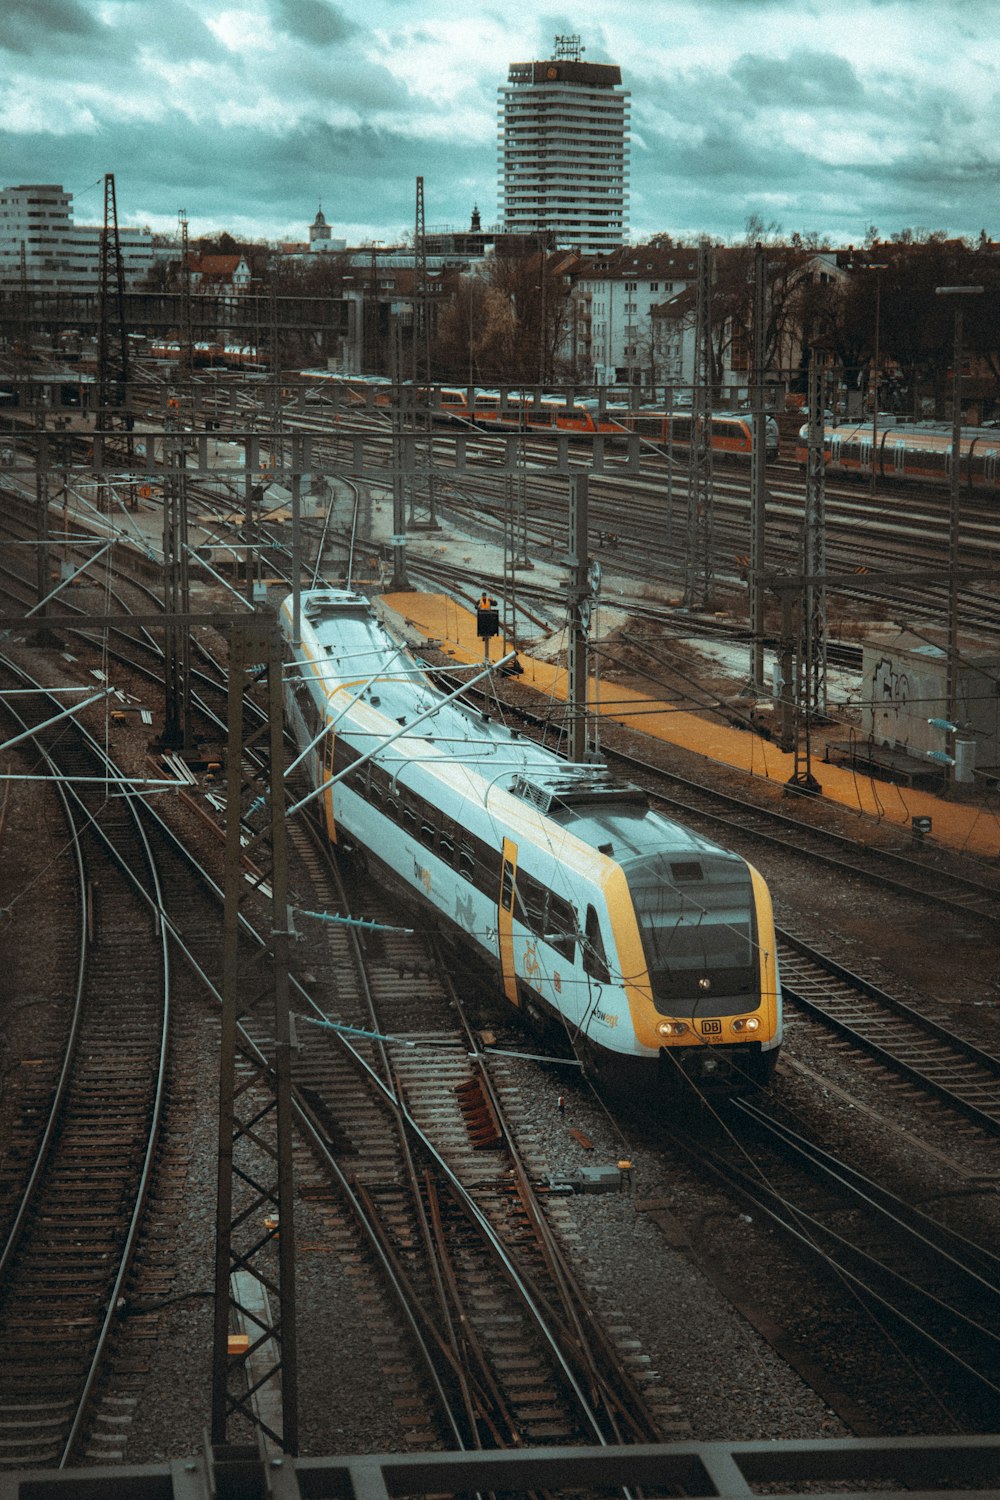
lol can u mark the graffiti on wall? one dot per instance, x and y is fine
(889, 688)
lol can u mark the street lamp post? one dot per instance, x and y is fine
(955, 504)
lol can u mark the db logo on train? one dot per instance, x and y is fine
(711, 1028)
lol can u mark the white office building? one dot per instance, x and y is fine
(563, 151)
(36, 223)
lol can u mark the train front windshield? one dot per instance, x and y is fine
(696, 920)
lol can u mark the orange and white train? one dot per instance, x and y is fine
(921, 453)
(731, 433)
(206, 355)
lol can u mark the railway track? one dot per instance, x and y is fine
(68, 1250)
(512, 1350)
(396, 1229)
(920, 1049)
(914, 1289)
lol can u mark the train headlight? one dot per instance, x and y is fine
(671, 1028)
(753, 1024)
(704, 984)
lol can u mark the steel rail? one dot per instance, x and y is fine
(84, 821)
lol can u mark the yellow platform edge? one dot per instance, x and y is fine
(960, 826)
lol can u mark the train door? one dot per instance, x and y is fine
(327, 771)
(899, 458)
(505, 919)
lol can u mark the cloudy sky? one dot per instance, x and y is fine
(814, 116)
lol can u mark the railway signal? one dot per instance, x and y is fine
(487, 621)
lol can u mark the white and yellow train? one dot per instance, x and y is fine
(653, 947)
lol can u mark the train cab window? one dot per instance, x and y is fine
(594, 957)
(696, 926)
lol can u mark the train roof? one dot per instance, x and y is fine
(916, 435)
(381, 672)
(611, 816)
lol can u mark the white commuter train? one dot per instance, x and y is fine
(654, 947)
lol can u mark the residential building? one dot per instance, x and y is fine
(225, 275)
(635, 317)
(617, 331)
(37, 228)
(563, 150)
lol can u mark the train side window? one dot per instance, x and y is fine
(530, 909)
(595, 960)
(561, 925)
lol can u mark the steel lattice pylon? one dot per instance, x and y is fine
(421, 312)
(699, 572)
(813, 692)
(255, 1231)
(112, 352)
(758, 471)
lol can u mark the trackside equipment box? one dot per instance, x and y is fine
(905, 683)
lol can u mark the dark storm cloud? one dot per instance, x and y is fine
(248, 113)
(943, 180)
(313, 21)
(362, 175)
(34, 26)
(365, 174)
(807, 80)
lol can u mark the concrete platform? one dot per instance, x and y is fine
(972, 828)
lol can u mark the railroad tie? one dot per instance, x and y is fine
(480, 1121)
